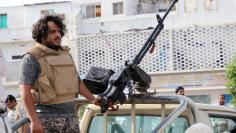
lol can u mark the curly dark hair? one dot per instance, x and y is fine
(40, 28)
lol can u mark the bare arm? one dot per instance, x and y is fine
(27, 100)
(85, 92)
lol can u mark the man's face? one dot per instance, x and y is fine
(11, 104)
(180, 92)
(221, 100)
(53, 39)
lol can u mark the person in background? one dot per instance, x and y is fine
(15, 113)
(221, 99)
(179, 90)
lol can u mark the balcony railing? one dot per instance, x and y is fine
(14, 73)
(178, 50)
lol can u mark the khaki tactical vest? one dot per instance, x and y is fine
(58, 81)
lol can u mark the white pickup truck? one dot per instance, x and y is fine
(157, 114)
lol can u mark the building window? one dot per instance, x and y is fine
(93, 11)
(210, 5)
(52, 12)
(16, 57)
(154, 6)
(3, 21)
(118, 8)
(190, 6)
(165, 4)
(47, 12)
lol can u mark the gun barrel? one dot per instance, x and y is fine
(150, 41)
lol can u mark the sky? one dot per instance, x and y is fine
(4, 3)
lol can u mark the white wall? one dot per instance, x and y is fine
(16, 39)
(15, 24)
(14, 16)
(223, 14)
(11, 49)
(21, 18)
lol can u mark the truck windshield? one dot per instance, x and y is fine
(144, 124)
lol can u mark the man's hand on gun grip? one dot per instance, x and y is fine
(97, 100)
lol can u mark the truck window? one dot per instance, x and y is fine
(223, 124)
(144, 124)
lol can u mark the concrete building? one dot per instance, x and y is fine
(15, 33)
(193, 49)
(99, 16)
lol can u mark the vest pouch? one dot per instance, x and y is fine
(46, 91)
(65, 77)
(34, 94)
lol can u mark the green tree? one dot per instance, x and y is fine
(231, 79)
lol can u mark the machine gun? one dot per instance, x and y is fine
(110, 85)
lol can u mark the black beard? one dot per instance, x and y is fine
(51, 46)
